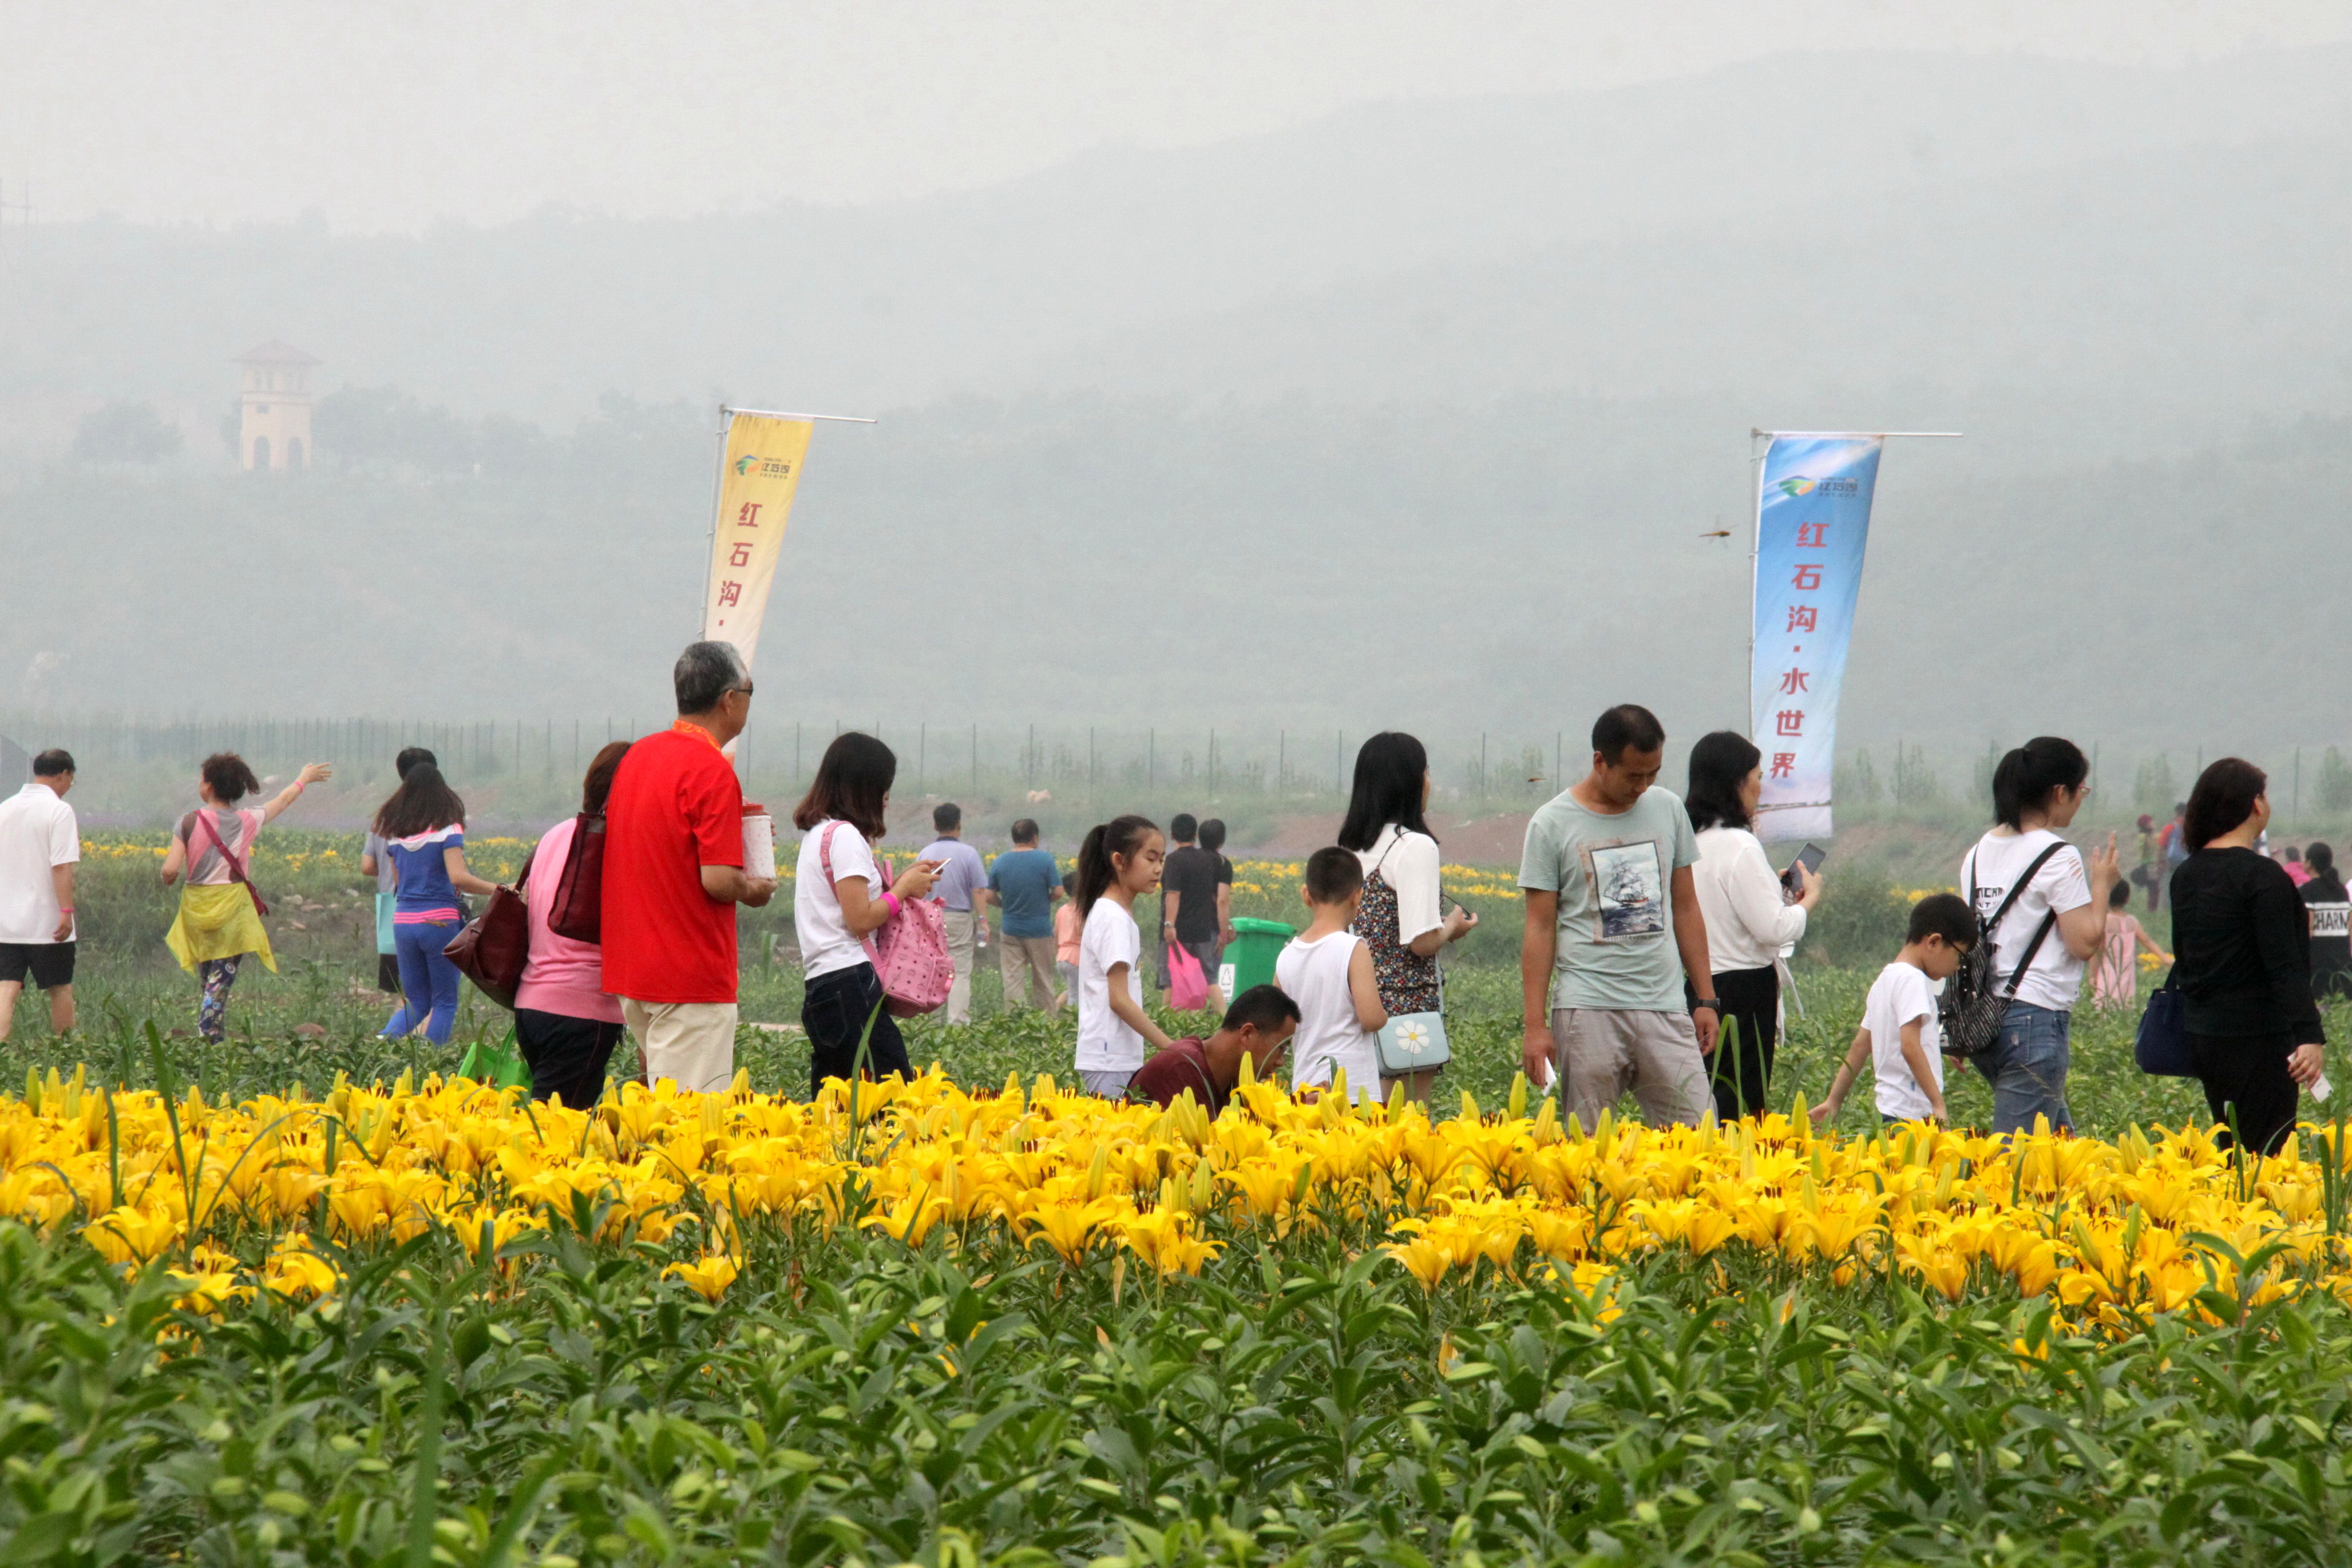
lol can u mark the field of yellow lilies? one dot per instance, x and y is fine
(424, 1321)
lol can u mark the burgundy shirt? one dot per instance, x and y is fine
(1183, 1065)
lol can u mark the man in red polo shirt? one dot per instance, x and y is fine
(673, 874)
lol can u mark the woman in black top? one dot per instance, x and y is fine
(2330, 906)
(2243, 960)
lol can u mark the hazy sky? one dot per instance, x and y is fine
(392, 114)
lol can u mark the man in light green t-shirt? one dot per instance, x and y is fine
(1612, 927)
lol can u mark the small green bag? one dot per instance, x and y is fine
(499, 1064)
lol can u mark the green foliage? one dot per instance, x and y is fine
(851, 1401)
(1858, 924)
(125, 433)
(2153, 792)
(1855, 781)
(1915, 778)
(2334, 793)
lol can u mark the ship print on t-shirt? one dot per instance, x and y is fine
(1629, 886)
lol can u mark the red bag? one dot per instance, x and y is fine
(494, 944)
(579, 910)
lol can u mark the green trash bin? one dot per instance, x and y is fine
(1249, 958)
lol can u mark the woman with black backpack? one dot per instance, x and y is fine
(2040, 939)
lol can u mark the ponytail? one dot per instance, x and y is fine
(1095, 873)
(2028, 776)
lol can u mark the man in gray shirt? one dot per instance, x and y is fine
(1612, 927)
(961, 875)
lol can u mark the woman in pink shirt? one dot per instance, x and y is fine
(564, 1023)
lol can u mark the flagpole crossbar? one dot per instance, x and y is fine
(1858, 435)
(779, 414)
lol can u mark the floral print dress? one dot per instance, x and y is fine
(1408, 982)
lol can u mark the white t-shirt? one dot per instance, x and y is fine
(826, 944)
(38, 834)
(1748, 919)
(1898, 995)
(1411, 870)
(1314, 975)
(2061, 884)
(1106, 1042)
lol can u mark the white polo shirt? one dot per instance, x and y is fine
(38, 834)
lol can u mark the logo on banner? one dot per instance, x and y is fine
(750, 463)
(1832, 486)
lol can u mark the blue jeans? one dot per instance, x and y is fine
(2027, 1068)
(428, 982)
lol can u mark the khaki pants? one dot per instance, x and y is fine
(1602, 1052)
(963, 932)
(1026, 955)
(692, 1044)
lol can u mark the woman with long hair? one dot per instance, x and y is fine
(423, 827)
(2243, 961)
(1119, 861)
(841, 895)
(2060, 919)
(564, 1023)
(1402, 920)
(219, 920)
(1750, 917)
(2329, 905)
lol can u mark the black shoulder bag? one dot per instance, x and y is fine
(1975, 999)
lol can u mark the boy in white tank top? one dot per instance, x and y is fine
(1327, 971)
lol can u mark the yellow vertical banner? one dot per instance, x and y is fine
(761, 469)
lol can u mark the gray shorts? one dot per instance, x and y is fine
(1602, 1052)
(1106, 1085)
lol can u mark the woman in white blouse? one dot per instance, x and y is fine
(1749, 918)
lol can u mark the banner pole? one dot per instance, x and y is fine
(1754, 544)
(710, 541)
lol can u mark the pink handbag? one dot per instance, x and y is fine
(1188, 986)
(910, 953)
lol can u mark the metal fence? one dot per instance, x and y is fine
(527, 765)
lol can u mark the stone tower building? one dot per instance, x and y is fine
(274, 431)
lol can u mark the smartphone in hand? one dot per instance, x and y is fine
(1811, 858)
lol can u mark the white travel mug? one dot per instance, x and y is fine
(759, 842)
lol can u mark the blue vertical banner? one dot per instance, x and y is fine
(1812, 520)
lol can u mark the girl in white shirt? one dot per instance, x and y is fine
(1119, 860)
(2036, 791)
(839, 900)
(1327, 971)
(1749, 918)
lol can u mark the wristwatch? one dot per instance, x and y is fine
(1712, 1005)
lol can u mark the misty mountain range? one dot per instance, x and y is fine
(1413, 415)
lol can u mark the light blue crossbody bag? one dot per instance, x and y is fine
(1414, 1042)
